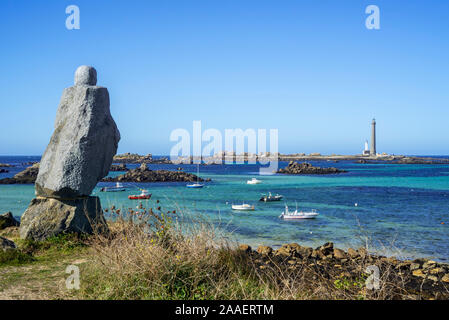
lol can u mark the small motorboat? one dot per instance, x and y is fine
(296, 215)
(197, 184)
(253, 181)
(270, 197)
(144, 195)
(118, 187)
(243, 207)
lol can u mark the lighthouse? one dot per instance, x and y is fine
(373, 138)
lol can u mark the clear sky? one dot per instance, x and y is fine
(308, 68)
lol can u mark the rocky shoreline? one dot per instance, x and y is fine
(410, 279)
(27, 176)
(136, 158)
(143, 174)
(306, 168)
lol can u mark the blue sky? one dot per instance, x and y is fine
(308, 68)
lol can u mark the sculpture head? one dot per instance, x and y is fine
(85, 76)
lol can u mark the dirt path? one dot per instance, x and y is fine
(39, 280)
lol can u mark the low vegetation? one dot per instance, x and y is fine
(148, 254)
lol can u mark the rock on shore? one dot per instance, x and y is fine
(46, 217)
(27, 176)
(7, 220)
(6, 244)
(119, 167)
(143, 174)
(420, 278)
(306, 168)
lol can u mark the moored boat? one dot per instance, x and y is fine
(254, 181)
(197, 184)
(118, 187)
(243, 207)
(144, 195)
(297, 215)
(270, 197)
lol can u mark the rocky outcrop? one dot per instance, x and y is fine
(119, 167)
(5, 165)
(27, 176)
(83, 144)
(7, 220)
(6, 244)
(78, 155)
(3, 170)
(143, 174)
(46, 217)
(136, 158)
(418, 279)
(306, 168)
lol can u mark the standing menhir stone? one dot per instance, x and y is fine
(79, 155)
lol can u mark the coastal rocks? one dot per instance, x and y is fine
(6, 165)
(118, 167)
(264, 250)
(78, 155)
(143, 174)
(136, 158)
(46, 217)
(83, 144)
(425, 279)
(306, 168)
(245, 248)
(6, 244)
(3, 170)
(27, 176)
(7, 220)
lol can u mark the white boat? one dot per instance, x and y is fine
(296, 215)
(253, 181)
(243, 207)
(271, 198)
(197, 184)
(118, 187)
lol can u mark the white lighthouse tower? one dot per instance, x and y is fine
(366, 150)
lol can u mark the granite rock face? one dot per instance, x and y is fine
(46, 217)
(83, 144)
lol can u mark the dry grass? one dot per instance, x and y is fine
(148, 256)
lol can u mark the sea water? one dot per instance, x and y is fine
(396, 209)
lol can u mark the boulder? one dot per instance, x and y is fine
(47, 217)
(6, 244)
(7, 220)
(264, 250)
(245, 248)
(339, 254)
(83, 144)
(353, 253)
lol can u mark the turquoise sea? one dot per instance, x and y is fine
(402, 210)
